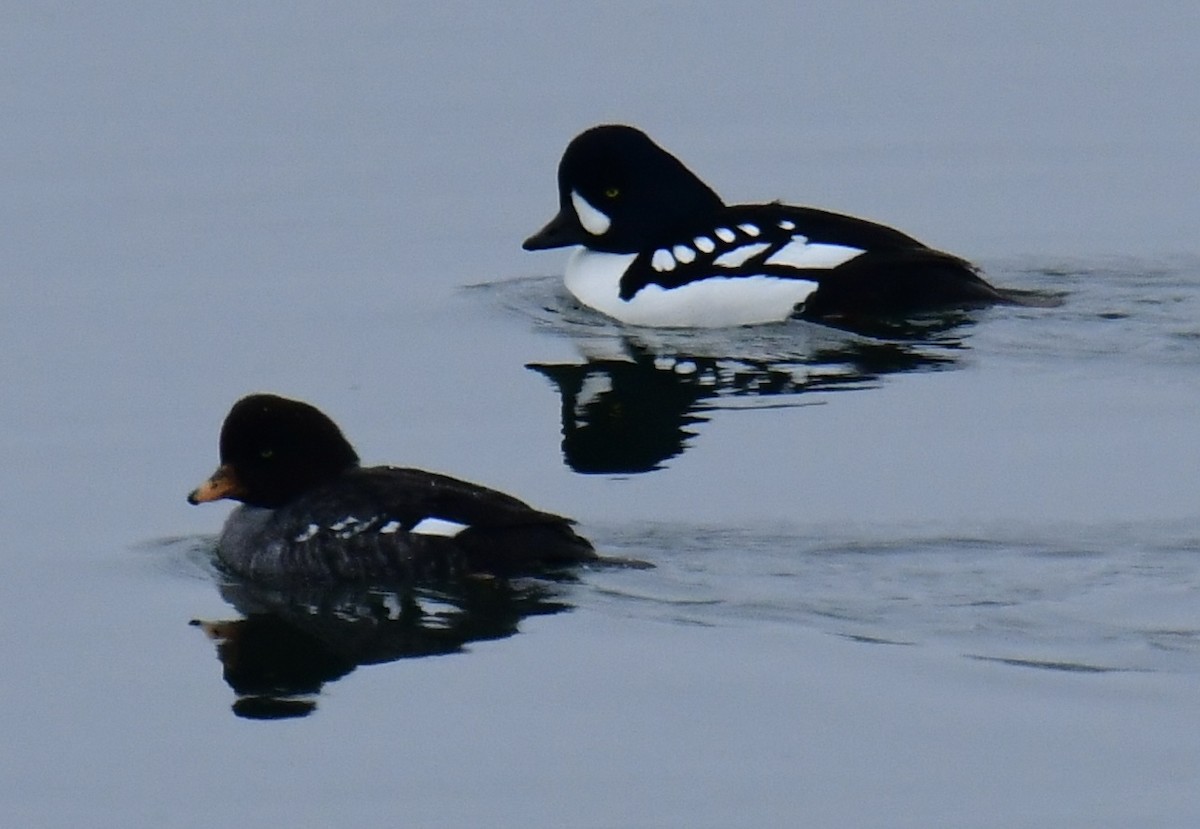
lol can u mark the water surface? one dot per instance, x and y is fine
(946, 577)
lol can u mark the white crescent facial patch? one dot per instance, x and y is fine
(594, 221)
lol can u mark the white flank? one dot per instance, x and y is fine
(717, 302)
(736, 257)
(684, 254)
(389, 528)
(308, 533)
(799, 254)
(594, 221)
(704, 244)
(662, 260)
(438, 526)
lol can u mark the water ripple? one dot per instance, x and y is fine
(1086, 599)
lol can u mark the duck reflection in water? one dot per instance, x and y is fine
(291, 642)
(629, 413)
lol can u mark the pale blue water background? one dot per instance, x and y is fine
(961, 594)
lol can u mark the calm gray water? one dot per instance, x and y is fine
(944, 581)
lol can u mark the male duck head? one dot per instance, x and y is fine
(615, 187)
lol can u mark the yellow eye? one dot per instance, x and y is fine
(612, 192)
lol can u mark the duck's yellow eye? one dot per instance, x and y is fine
(612, 192)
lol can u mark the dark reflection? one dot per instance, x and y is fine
(629, 413)
(290, 643)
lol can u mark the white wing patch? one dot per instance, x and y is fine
(594, 220)
(798, 253)
(438, 526)
(662, 260)
(704, 244)
(749, 229)
(390, 527)
(684, 254)
(346, 527)
(725, 234)
(736, 257)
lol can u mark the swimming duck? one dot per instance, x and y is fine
(310, 513)
(658, 247)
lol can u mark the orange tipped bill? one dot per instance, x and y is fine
(224, 483)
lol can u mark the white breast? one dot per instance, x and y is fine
(717, 302)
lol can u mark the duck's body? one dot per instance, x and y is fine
(658, 247)
(311, 514)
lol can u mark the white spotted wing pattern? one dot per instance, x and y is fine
(738, 250)
(746, 271)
